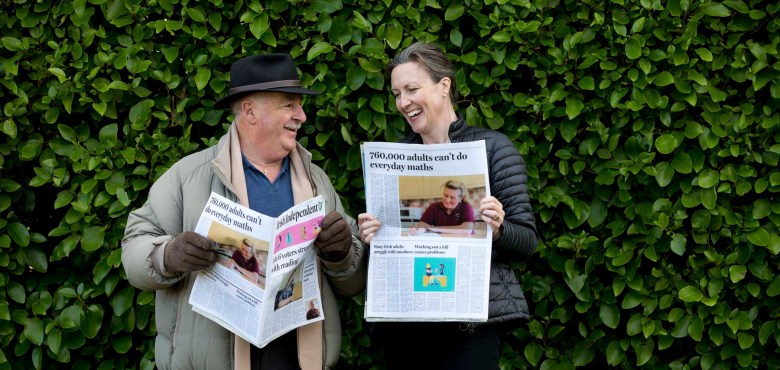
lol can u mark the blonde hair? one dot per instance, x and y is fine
(456, 185)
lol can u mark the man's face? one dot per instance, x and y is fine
(246, 250)
(280, 117)
(451, 198)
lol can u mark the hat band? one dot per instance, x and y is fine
(265, 86)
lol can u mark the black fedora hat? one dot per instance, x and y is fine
(267, 72)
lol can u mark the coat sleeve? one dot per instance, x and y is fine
(146, 236)
(346, 277)
(509, 184)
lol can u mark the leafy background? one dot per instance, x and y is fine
(650, 128)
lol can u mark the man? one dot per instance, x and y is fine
(259, 164)
(453, 213)
(313, 311)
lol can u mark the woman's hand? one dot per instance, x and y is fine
(368, 226)
(492, 212)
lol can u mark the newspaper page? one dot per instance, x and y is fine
(265, 282)
(439, 272)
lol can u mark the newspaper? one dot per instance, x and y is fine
(265, 282)
(441, 274)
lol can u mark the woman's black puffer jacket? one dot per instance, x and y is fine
(508, 178)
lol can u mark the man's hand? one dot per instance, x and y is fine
(188, 252)
(335, 238)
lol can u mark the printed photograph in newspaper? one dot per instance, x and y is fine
(245, 255)
(441, 206)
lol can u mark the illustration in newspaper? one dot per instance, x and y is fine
(430, 260)
(266, 273)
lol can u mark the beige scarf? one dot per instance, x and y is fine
(310, 336)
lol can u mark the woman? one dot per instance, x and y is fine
(423, 83)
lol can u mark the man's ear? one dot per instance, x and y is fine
(248, 110)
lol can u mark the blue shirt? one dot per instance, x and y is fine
(265, 197)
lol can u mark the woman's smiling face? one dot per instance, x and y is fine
(423, 102)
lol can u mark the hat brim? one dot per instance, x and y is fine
(224, 103)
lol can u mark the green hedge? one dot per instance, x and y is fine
(651, 130)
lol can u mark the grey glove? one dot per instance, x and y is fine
(335, 238)
(187, 252)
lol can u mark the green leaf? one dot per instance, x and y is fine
(663, 79)
(92, 238)
(666, 143)
(773, 289)
(664, 174)
(202, 77)
(12, 43)
(533, 353)
(67, 133)
(360, 22)
(170, 53)
(586, 83)
(469, 58)
(759, 236)
(708, 178)
(395, 34)
(644, 352)
(610, 315)
(33, 330)
(93, 320)
(716, 10)
(59, 73)
(141, 112)
(326, 6)
(745, 340)
(115, 9)
(573, 107)
(568, 130)
(678, 244)
(41, 303)
(54, 340)
(737, 273)
(690, 294)
(704, 54)
(16, 292)
(259, 25)
(108, 135)
(633, 48)
(9, 128)
(71, 317)
(501, 36)
(454, 12)
(761, 208)
(615, 353)
(696, 328)
(118, 85)
(123, 300)
(19, 234)
(122, 344)
(319, 48)
(37, 259)
(196, 15)
(456, 38)
(4, 313)
(682, 163)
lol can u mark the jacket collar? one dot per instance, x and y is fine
(228, 166)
